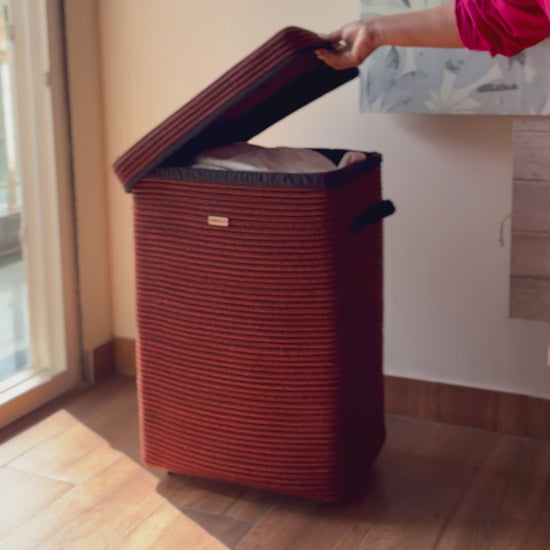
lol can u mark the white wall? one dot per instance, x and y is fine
(450, 177)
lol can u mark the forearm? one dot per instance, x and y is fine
(434, 27)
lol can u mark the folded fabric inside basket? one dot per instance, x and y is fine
(254, 158)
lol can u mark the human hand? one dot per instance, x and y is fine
(352, 44)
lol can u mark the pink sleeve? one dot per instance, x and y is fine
(502, 26)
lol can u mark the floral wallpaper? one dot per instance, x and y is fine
(428, 80)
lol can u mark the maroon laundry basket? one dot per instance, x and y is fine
(259, 295)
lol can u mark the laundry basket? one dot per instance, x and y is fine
(259, 294)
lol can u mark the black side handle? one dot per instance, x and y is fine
(374, 213)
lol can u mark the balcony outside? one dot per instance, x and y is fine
(14, 333)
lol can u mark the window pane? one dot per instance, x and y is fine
(14, 333)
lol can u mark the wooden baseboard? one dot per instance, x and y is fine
(103, 360)
(118, 355)
(125, 356)
(476, 408)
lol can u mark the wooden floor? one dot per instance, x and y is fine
(435, 486)
(63, 486)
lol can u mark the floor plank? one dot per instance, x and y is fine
(134, 452)
(252, 505)
(299, 525)
(229, 531)
(45, 429)
(108, 498)
(69, 508)
(281, 525)
(79, 403)
(343, 527)
(97, 397)
(469, 525)
(434, 487)
(165, 530)
(415, 513)
(523, 501)
(116, 420)
(23, 495)
(335, 528)
(133, 502)
(75, 506)
(539, 536)
(89, 465)
(56, 454)
(206, 495)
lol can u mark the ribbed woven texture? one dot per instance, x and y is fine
(259, 357)
(213, 98)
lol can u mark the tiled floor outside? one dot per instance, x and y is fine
(14, 339)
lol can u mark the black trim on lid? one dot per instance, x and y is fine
(315, 181)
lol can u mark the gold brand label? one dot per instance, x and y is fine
(218, 221)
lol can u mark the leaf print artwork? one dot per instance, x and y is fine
(458, 81)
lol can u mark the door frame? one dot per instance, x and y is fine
(48, 231)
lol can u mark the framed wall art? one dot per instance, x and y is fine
(457, 81)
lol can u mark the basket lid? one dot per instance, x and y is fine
(275, 80)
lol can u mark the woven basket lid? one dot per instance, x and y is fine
(275, 80)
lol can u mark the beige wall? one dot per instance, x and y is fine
(85, 94)
(447, 277)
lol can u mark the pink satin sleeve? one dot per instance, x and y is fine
(502, 26)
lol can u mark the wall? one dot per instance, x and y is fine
(85, 93)
(447, 277)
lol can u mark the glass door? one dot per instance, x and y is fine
(39, 324)
(14, 323)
